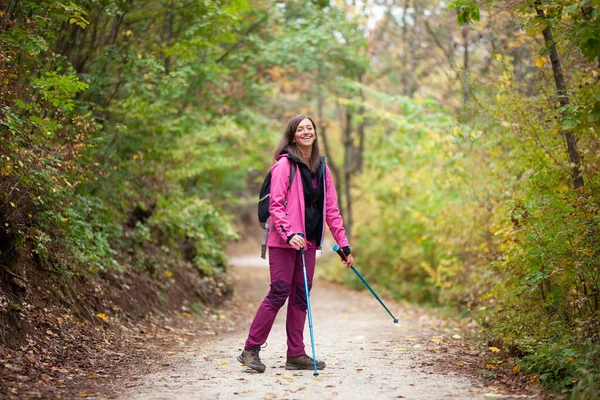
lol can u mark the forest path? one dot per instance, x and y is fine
(367, 355)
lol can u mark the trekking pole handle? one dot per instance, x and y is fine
(341, 253)
(302, 236)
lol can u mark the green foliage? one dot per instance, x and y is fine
(59, 90)
(197, 222)
(467, 11)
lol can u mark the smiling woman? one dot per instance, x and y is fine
(300, 140)
(299, 213)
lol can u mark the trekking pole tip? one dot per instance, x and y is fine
(316, 374)
(395, 320)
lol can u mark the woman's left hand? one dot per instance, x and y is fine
(350, 261)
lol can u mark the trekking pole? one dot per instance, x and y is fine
(310, 325)
(338, 250)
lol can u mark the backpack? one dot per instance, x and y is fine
(264, 200)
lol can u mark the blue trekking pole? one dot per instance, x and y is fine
(338, 250)
(310, 325)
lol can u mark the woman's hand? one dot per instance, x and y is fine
(297, 241)
(349, 261)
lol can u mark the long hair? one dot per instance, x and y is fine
(287, 143)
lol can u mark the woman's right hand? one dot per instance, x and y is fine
(349, 261)
(297, 241)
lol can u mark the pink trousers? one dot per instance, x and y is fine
(287, 283)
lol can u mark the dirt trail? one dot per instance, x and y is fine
(367, 355)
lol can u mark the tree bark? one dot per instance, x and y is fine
(361, 131)
(167, 34)
(322, 132)
(465, 83)
(563, 98)
(405, 46)
(348, 147)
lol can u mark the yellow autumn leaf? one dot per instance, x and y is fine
(516, 369)
(102, 316)
(540, 62)
(490, 366)
(168, 274)
(399, 349)
(570, 359)
(289, 378)
(224, 363)
(494, 349)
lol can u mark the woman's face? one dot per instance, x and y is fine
(305, 134)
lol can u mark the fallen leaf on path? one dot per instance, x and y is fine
(516, 369)
(490, 366)
(289, 378)
(399, 349)
(459, 364)
(224, 362)
(317, 378)
(83, 394)
(494, 349)
(457, 336)
(102, 316)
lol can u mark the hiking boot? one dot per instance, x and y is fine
(251, 359)
(303, 362)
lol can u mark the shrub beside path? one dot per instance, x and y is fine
(367, 355)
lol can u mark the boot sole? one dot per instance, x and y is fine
(253, 367)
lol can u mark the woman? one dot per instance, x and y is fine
(298, 218)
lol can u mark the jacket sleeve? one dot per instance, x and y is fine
(332, 212)
(280, 175)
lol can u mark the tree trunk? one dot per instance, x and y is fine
(465, 84)
(405, 47)
(563, 98)
(414, 46)
(348, 147)
(167, 34)
(361, 131)
(322, 132)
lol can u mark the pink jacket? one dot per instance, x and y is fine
(289, 219)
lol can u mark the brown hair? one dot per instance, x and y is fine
(287, 143)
